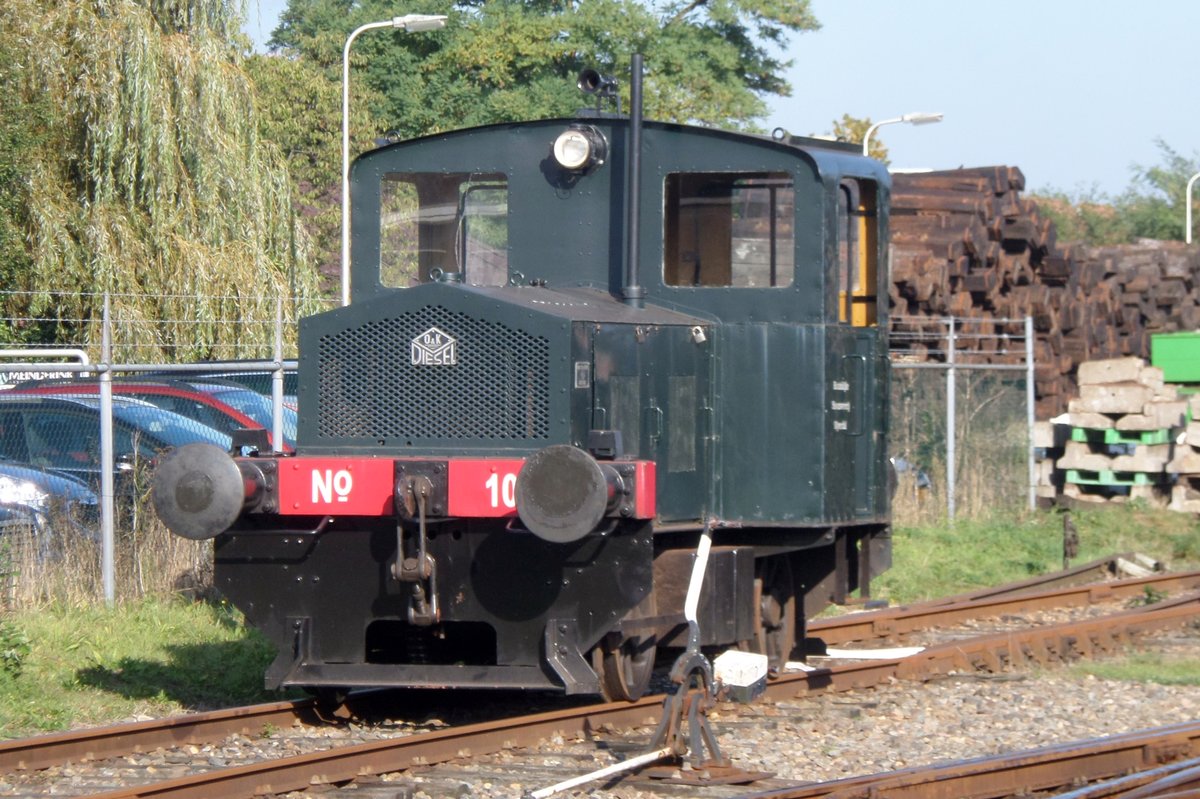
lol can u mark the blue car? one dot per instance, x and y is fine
(62, 433)
(47, 508)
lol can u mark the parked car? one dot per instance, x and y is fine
(259, 382)
(226, 406)
(257, 406)
(47, 507)
(62, 434)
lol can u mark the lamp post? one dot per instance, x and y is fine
(1188, 191)
(410, 23)
(915, 118)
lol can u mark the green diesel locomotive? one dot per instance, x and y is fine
(576, 348)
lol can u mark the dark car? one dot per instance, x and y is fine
(226, 407)
(62, 434)
(259, 382)
(42, 509)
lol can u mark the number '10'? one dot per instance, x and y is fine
(502, 490)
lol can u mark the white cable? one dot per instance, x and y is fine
(616, 768)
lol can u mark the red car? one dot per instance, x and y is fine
(179, 398)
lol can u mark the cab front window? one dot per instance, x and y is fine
(438, 223)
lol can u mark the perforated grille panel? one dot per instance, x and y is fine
(497, 389)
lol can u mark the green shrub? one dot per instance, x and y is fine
(14, 648)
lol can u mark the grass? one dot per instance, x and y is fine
(943, 559)
(69, 663)
(94, 665)
(1150, 667)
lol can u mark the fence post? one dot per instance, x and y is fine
(1030, 410)
(107, 465)
(951, 426)
(277, 381)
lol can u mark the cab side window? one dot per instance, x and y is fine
(858, 252)
(729, 229)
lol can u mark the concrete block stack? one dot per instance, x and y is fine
(1123, 426)
(1185, 494)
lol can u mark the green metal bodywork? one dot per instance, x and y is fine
(773, 416)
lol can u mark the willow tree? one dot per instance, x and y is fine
(152, 184)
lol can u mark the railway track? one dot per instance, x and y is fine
(994, 652)
(1148, 763)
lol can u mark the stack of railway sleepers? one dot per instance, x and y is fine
(965, 243)
(1185, 494)
(1123, 426)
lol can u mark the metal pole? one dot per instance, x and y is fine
(277, 381)
(410, 23)
(107, 463)
(1030, 409)
(1188, 191)
(346, 154)
(872, 129)
(951, 372)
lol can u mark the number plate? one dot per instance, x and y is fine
(483, 488)
(343, 486)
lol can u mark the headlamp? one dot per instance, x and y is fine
(580, 148)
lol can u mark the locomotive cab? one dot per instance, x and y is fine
(511, 440)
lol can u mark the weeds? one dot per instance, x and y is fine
(1148, 667)
(1150, 596)
(941, 559)
(14, 648)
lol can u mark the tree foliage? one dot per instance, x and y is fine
(853, 129)
(707, 61)
(148, 181)
(1152, 207)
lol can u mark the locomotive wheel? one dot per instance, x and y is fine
(625, 669)
(774, 610)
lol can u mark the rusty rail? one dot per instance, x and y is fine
(115, 740)
(1063, 641)
(1015, 774)
(993, 602)
(1060, 642)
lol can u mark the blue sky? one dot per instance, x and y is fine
(1072, 92)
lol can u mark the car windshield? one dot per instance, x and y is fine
(257, 407)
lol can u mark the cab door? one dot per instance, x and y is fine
(854, 394)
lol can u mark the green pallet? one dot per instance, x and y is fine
(1121, 436)
(1110, 478)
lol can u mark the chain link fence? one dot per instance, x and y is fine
(962, 413)
(81, 429)
(76, 454)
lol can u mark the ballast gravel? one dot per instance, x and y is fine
(812, 739)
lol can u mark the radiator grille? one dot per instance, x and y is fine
(369, 388)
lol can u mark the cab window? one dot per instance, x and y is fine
(858, 247)
(434, 223)
(729, 229)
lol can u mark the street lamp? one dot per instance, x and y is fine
(915, 118)
(1188, 192)
(410, 23)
